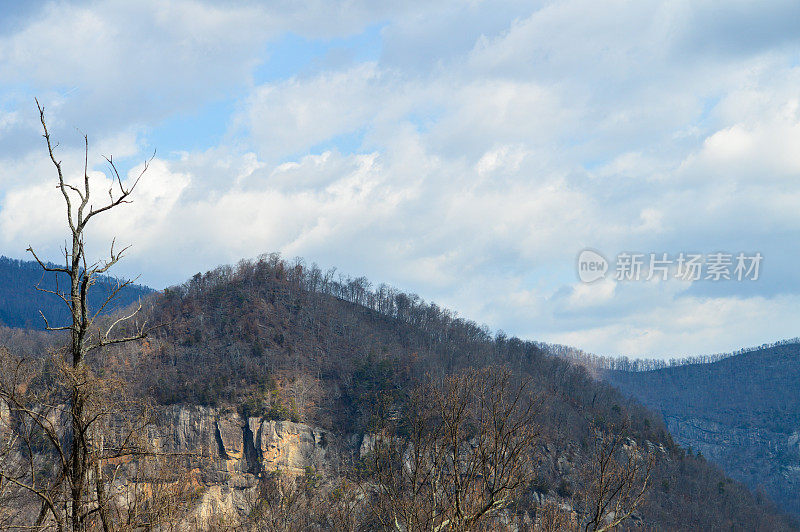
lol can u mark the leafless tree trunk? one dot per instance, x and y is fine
(69, 420)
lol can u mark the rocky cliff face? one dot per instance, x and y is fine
(758, 457)
(235, 452)
(239, 450)
(242, 445)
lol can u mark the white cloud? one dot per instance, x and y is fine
(690, 326)
(471, 160)
(121, 62)
(290, 116)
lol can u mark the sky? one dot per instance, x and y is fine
(467, 151)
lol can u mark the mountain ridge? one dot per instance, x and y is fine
(288, 341)
(277, 341)
(20, 302)
(742, 411)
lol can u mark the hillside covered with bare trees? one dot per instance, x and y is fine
(286, 341)
(740, 411)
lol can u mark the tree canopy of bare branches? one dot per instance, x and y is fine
(60, 412)
(615, 480)
(461, 454)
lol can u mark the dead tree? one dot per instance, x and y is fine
(70, 420)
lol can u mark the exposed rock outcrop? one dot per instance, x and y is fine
(758, 457)
(242, 446)
(287, 445)
(240, 451)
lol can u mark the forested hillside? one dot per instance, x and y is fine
(20, 302)
(743, 412)
(286, 341)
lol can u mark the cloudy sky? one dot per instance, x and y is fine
(466, 151)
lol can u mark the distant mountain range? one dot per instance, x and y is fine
(742, 412)
(20, 302)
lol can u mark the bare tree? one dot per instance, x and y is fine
(614, 480)
(553, 517)
(305, 391)
(282, 503)
(462, 455)
(295, 503)
(67, 420)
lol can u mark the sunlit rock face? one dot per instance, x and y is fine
(241, 446)
(236, 452)
(287, 446)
